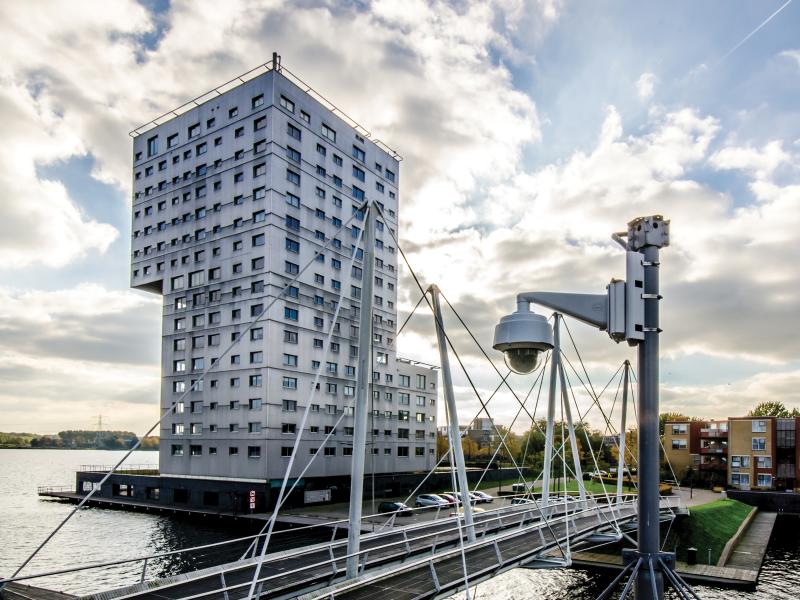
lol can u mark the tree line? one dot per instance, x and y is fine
(78, 439)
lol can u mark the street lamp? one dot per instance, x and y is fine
(627, 311)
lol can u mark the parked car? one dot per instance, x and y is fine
(484, 496)
(431, 500)
(452, 499)
(402, 510)
(515, 501)
(473, 498)
(521, 488)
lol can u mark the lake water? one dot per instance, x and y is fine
(101, 535)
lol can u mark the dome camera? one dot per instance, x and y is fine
(522, 336)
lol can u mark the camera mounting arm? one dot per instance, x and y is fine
(592, 309)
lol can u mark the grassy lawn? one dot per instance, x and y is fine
(572, 486)
(709, 526)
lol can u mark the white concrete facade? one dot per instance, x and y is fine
(231, 199)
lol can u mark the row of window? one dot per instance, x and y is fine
(743, 462)
(743, 480)
(291, 429)
(286, 451)
(196, 407)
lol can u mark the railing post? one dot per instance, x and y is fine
(144, 570)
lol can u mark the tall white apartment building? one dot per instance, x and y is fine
(232, 198)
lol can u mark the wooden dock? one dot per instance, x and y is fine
(693, 573)
(741, 569)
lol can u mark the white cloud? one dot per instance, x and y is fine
(791, 55)
(645, 86)
(72, 353)
(761, 163)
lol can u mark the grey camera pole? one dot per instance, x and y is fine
(363, 377)
(647, 236)
(455, 433)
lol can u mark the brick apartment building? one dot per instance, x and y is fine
(746, 453)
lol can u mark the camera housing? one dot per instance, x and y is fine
(522, 336)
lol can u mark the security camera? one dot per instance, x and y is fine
(522, 336)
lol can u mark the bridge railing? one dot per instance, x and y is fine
(440, 515)
(330, 565)
(410, 532)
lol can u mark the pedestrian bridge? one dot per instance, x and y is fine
(423, 560)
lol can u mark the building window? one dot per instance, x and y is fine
(359, 174)
(287, 104)
(740, 462)
(293, 131)
(152, 146)
(359, 154)
(763, 462)
(288, 428)
(402, 451)
(290, 383)
(764, 480)
(254, 452)
(329, 451)
(328, 133)
(254, 427)
(286, 451)
(305, 116)
(759, 443)
(759, 426)
(679, 444)
(740, 479)
(258, 100)
(680, 429)
(177, 450)
(289, 405)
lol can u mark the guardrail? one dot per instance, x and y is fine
(47, 489)
(127, 469)
(494, 514)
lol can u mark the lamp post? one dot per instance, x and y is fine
(627, 311)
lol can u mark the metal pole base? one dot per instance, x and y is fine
(647, 573)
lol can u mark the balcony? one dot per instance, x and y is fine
(714, 450)
(714, 433)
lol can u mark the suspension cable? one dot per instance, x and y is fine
(180, 399)
(463, 367)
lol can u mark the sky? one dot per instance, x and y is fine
(530, 132)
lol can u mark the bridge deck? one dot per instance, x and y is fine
(295, 572)
(433, 576)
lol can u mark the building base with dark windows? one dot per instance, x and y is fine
(241, 497)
